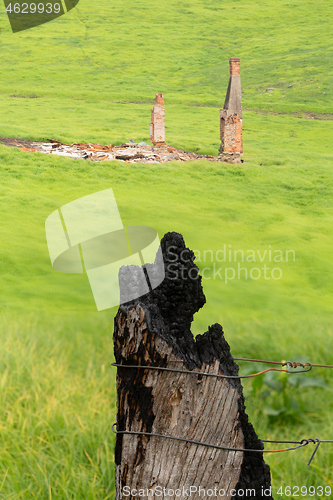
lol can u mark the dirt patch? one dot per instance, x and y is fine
(32, 96)
(298, 114)
(18, 143)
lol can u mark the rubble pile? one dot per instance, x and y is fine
(130, 152)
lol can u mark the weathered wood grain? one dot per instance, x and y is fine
(155, 331)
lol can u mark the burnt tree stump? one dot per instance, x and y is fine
(154, 330)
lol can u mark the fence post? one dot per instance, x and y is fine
(155, 331)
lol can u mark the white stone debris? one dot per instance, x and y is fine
(129, 152)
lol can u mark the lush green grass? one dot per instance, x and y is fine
(59, 392)
(99, 54)
(57, 388)
(55, 391)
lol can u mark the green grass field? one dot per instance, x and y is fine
(95, 72)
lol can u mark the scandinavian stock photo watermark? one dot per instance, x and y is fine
(229, 263)
(87, 236)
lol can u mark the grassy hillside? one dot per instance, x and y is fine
(272, 200)
(125, 51)
(58, 388)
(92, 76)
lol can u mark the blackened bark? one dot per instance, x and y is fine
(156, 330)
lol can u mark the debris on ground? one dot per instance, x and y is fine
(130, 152)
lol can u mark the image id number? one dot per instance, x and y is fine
(34, 8)
(304, 491)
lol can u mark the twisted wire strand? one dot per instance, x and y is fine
(294, 364)
(289, 364)
(218, 375)
(305, 442)
(299, 444)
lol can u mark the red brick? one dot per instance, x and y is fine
(231, 117)
(157, 125)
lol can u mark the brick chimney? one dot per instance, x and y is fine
(234, 66)
(157, 125)
(231, 117)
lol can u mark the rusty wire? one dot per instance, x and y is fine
(294, 364)
(218, 375)
(289, 364)
(299, 444)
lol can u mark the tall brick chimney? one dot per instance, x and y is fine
(231, 117)
(157, 125)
